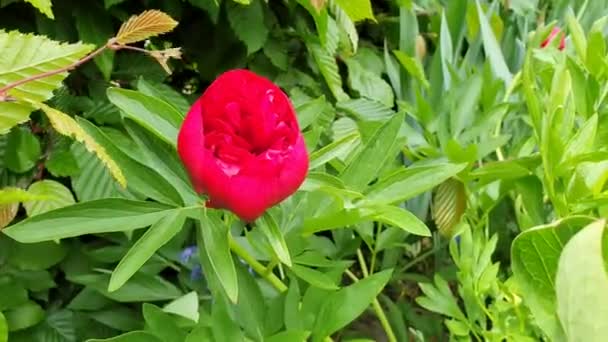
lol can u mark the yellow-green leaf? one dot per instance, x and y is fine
(66, 125)
(148, 24)
(12, 195)
(25, 56)
(357, 10)
(44, 6)
(60, 196)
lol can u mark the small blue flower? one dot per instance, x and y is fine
(196, 273)
(187, 253)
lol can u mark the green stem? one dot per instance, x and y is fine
(257, 266)
(376, 304)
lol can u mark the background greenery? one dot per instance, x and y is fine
(457, 174)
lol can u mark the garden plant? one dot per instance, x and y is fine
(303, 170)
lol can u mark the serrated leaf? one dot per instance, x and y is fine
(449, 203)
(247, 21)
(368, 84)
(66, 125)
(44, 6)
(26, 55)
(59, 196)
(94, 180)
(346, 24)
(148, 24)
(329, 69)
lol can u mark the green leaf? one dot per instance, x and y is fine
(35, 55)
(3, 328)
(100, 216)
(94, 180)
(141, 179)
(439, 298)
(62, 163)
(399, 217)
(328, 68)
(346, 304)
(580, 308)
(150, 112)
(269, 227)
(289, 335)
(58, 326)
(37, 256)
(251, 307)
(148, 24)
(346, 24)
(24, 316)
(492, 49)
(368, 162)
(132, 336)
(314, 277)
(186, 306)
(141, 287)
(154, 238)
(337, 149)
(12, 114)
(95, 27)
(162, 324)
(247, 21)
(216, 237)
(577, 34)
(582, 141)
(535, 255)
(58, 196)
(164, 92)
(412, 181)
(413, 66)
(368, 84)
(66, 125)
(211, 7)
(22, 150)
(357, 10)
(44, 6)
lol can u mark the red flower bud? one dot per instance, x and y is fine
(241, 144)
(552, 35)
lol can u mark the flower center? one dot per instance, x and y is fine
(245, 130)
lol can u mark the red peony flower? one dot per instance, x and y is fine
(241, 144)
(552, 35)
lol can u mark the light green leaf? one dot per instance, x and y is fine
(24, 316)
(12, 114)
(439, 298)
(346, 304)
(535, 255)
(164, 92)
(582, 141)
(577, 34)
(314, 277)
(366, 109)
(35, 55)
(162, 324)
(150, 112)
(407, 183)
(492, 49)
(154, 238)
(44, 6)
(269, 227)
(101, 216)
(247, 21)
(290, 335)
(186, 306)
(399, 217)
(251, 306)
(365, 166)
(217, 246)
(581, 309)
(368, 84)
(58, 196)
(357, 10)
(413, 67)
(337, 149)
